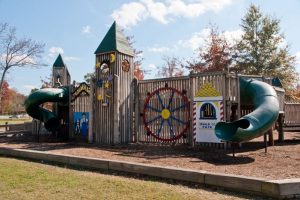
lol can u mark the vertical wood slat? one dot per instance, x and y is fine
(226, 84)
(91, 113)
(292, 116)
(182, 83)
(118, 115)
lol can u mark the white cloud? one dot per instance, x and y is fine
(71, 58)
(157, 10)
(158, 49)
(163, 11)
(233, 36)
(30, 87)
(129, 14)
(54, 51)
(18, 58)
(283, 43)
(196, 40)
(152, 66)
(86, 30)
(297, 58)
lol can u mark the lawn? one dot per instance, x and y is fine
(29, 180)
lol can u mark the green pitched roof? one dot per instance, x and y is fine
(59, 62)
(114, 40)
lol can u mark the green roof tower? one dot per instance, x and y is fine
(114, 69)
(59, 62)
(114, 40)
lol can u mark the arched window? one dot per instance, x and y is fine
(208, 111)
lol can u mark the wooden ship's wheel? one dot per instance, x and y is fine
(166, 114)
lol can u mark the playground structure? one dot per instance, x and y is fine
(115, 108)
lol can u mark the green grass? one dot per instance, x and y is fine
(15, 121)
(31, 181)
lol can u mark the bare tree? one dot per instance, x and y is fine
(16, 52)
(171, 68)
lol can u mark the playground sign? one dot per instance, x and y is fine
(207, 111)
(81, 123)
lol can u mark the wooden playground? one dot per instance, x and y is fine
(193, 122)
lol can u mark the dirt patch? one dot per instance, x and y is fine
(281, 161)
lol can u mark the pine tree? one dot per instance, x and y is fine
(262, 51)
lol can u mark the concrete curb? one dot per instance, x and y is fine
(287, 188)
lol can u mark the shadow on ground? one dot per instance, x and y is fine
(147, 151)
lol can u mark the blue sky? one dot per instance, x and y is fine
(75, 28)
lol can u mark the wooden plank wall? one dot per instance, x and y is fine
(104, 115)
(148, 86)
(81, 103)
(63, 72)
(225, 83)
(218, 80)
(126, 92)
(292, 114)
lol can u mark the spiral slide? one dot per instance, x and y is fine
(51, 121)
(255, 124)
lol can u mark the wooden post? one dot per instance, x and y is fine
(70, 124)
(271, 139)
(136, 109)
(91, 113)
(280, 127)
(225, 95)
(116, 113)
(265, 142)
(238, 97)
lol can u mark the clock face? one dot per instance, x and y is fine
(125, 65)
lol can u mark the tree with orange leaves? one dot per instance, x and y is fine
(5, 96)
(12, 101)
(214, 55)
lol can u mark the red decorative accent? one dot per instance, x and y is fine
(184, 106)
(194, 120)
(221, 111)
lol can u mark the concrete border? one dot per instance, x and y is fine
(286, 188)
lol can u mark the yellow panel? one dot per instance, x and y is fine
(207, 90)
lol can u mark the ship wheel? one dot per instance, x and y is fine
(166, 114)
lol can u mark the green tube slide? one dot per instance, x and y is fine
(33, 109)
(256, 123)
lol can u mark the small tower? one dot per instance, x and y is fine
(114, 92)
(61, 77)
(60, 73)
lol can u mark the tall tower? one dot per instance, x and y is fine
(114, 89)
(60, 73)
(61, 77)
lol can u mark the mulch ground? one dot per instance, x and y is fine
(280, 162)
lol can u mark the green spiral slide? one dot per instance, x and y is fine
(32, 105)
(256, 123)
